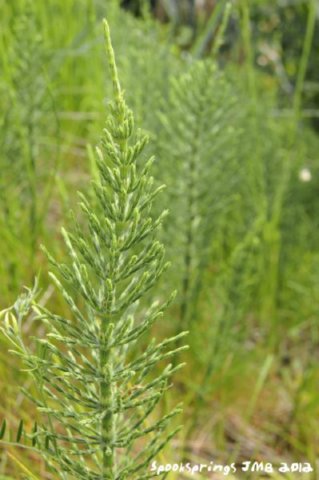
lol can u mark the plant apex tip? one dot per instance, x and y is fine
(112, 63)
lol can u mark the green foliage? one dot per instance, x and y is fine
(28, 112)
(97, 398)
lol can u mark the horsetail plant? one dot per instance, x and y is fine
(96, 390)
(199, 127)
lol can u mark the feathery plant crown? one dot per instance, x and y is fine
(95, 389)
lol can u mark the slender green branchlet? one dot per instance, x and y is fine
(97, 393)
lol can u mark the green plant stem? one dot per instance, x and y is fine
(212, 24)
(186, 283)
(106, 356)
(221, 32)
(304, 60)
(249, 54)
(107, 427)
(186, 308)
(33, 194)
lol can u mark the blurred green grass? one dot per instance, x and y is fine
(250, 388)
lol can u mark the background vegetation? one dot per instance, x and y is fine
(228, 93)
